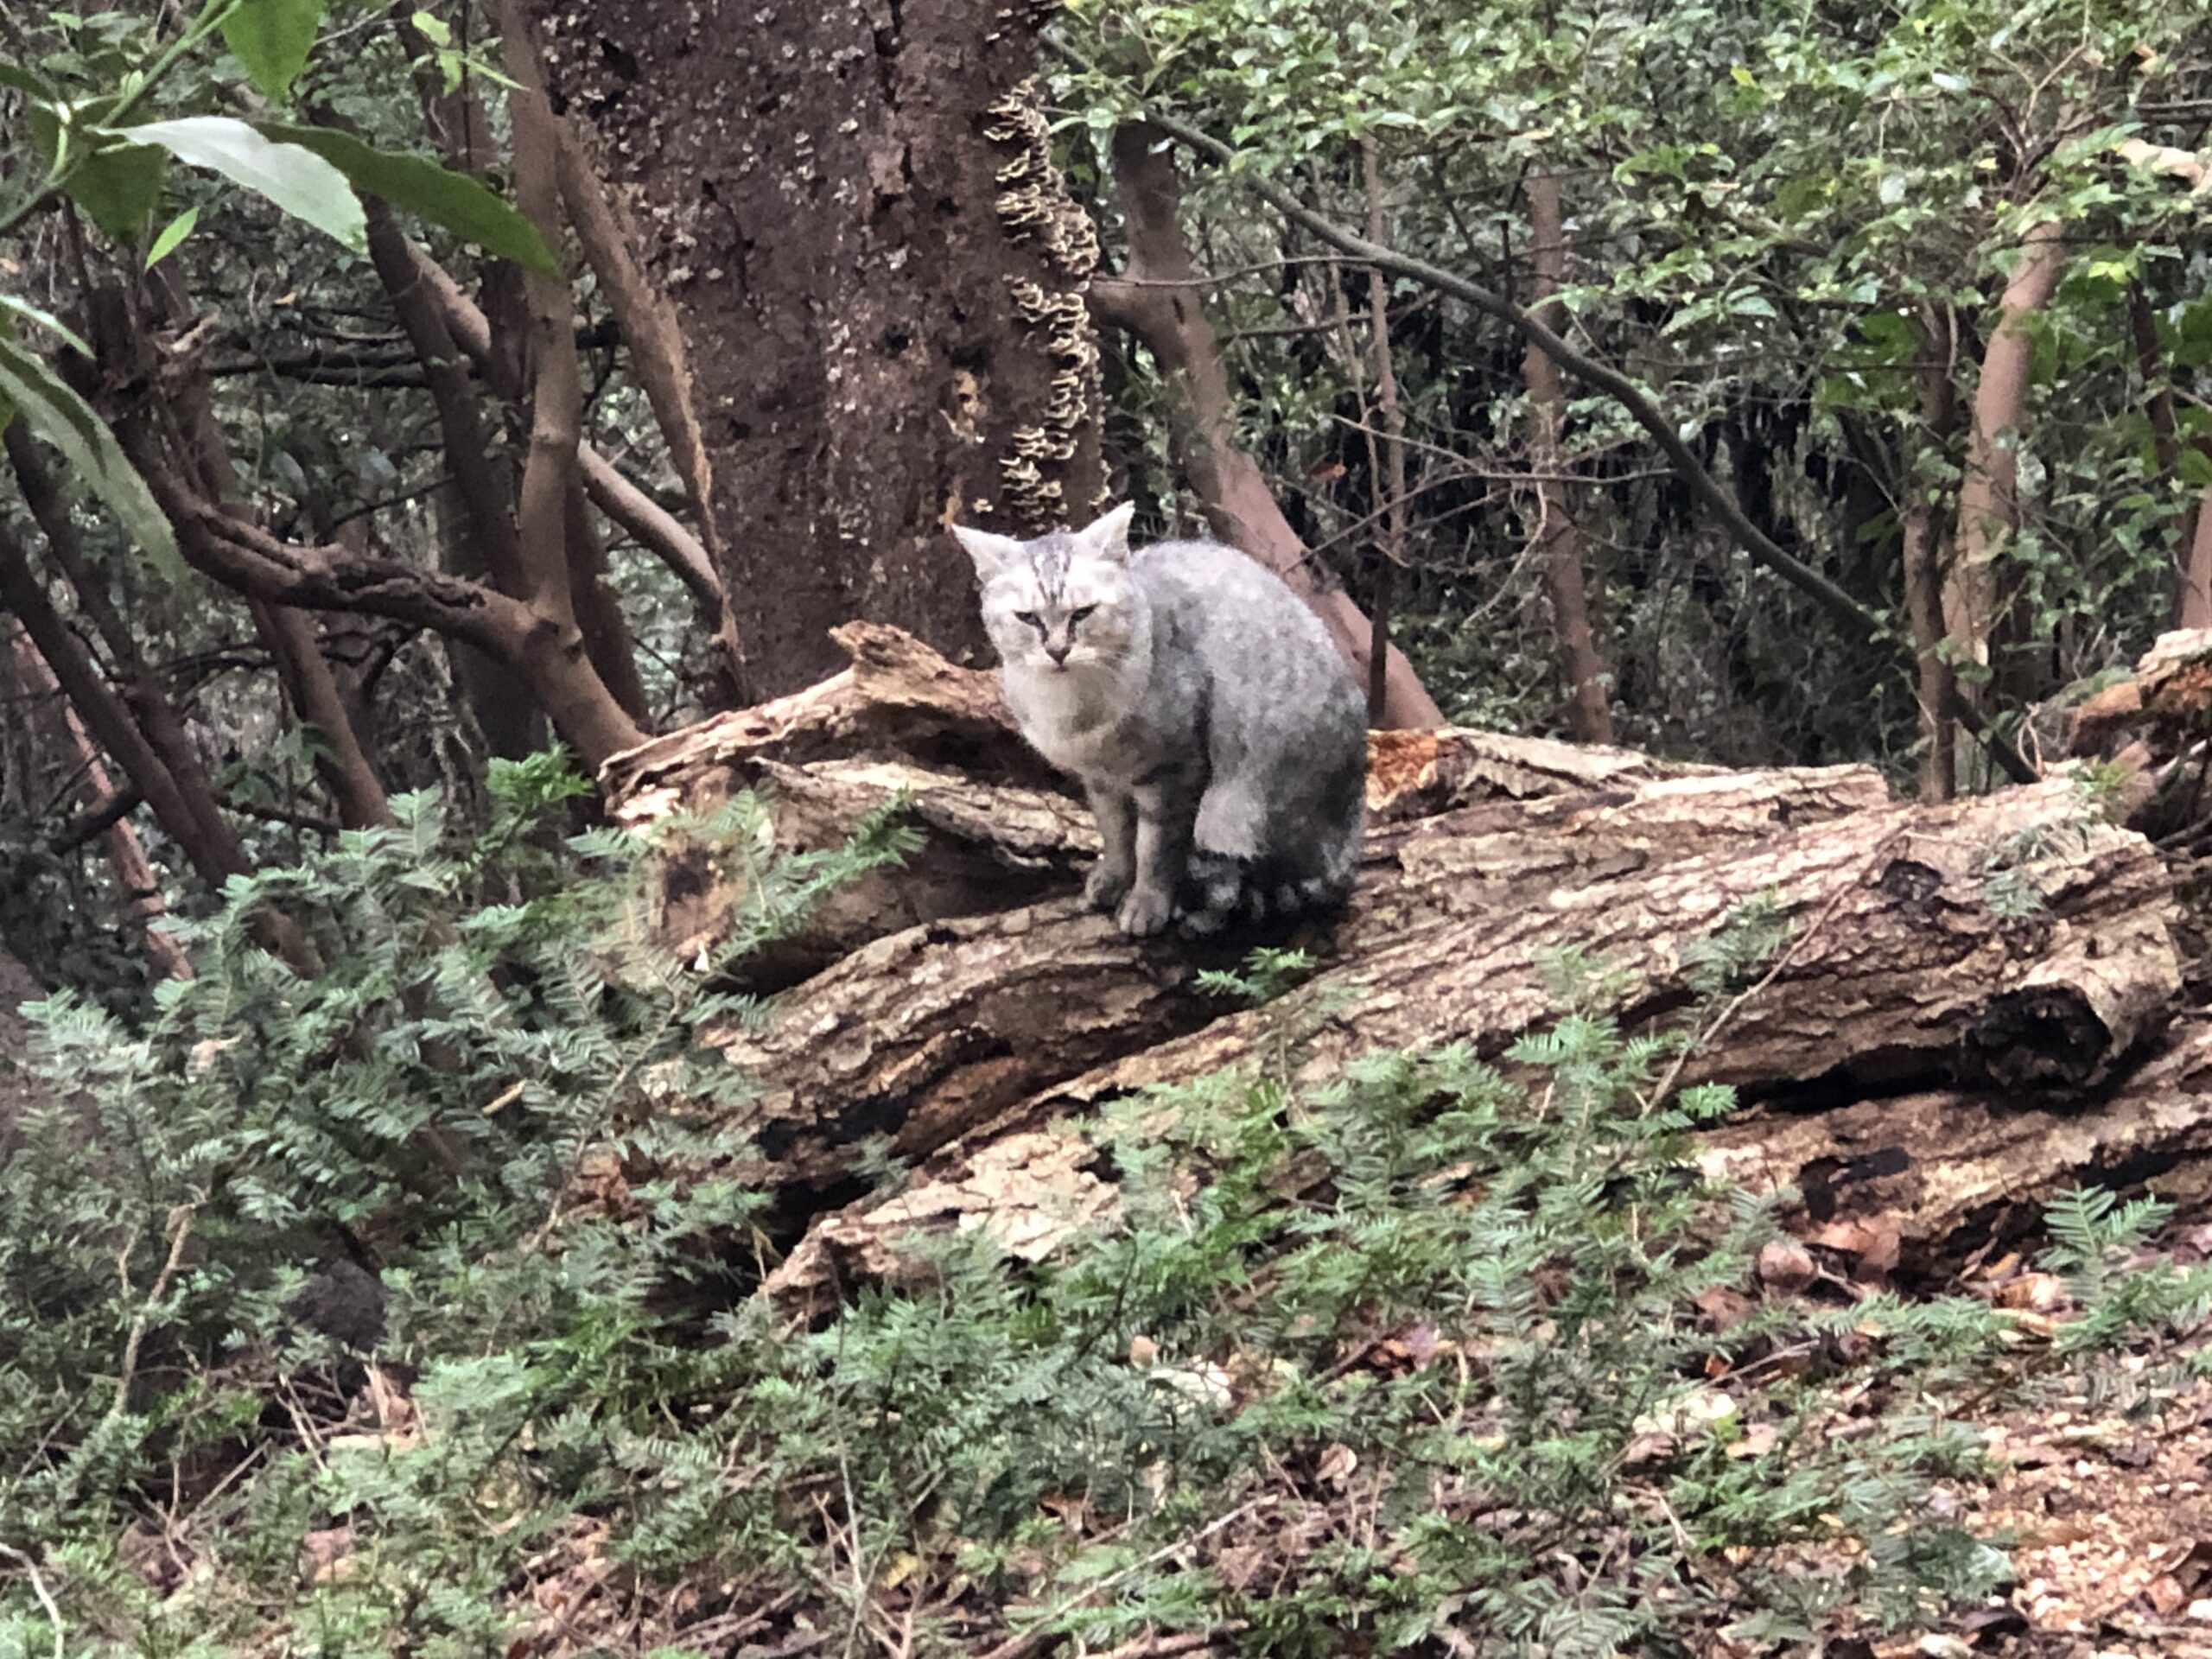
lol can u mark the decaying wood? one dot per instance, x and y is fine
(1003, 830)
(2165, 702)
(1901, 969)
(1950, 1171)
(2006, 956)
(2155, 728)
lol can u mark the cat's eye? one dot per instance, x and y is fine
(1030, 617)
(1079, 613)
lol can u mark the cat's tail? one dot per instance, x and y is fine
(1221, 892)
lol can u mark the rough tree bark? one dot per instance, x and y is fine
(2011, 952)
(853, 209)
(1589, 712)
(1156, 299)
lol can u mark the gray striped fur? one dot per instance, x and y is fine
(1204, 709)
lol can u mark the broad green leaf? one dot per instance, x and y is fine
(45, 320)
(63, 419)
(22, 80)
(172, 234)
(273, 38)
(421, 185)
(432, 29)
(295, 178)
(119, 186)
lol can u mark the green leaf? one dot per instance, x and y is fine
(46, 319)
(421, 185)
(173, 233)
(119, 186)
(273, 38)
(15, 75)
(432, 29)
(2195, 466)
(295, 178)
(63, 419)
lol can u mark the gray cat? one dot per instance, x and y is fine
(1210, 721)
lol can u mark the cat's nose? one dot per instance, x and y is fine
(1058, 653)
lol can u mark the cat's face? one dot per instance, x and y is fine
(1064, 603)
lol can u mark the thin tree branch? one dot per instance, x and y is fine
(656, 530)
(1647, 414)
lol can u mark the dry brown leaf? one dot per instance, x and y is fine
(2035, 1292)
(1874, 1241)
(1725, 1307)
(1785, 1265)
(1337, 1462)
(327, 1556)
(1755, 1442)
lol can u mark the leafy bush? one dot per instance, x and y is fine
(1436, 1345)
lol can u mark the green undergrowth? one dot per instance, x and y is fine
(1436, 1355)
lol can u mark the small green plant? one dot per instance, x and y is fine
(1421, 1347)
(1732, 957)
(1268, 972)
(2009, 883)
(493, 1022)
(2093, 1235)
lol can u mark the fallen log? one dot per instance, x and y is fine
(1002, 829)
(939, 1031)
(2014, 941)
(1937, 1175)
(2007, 956)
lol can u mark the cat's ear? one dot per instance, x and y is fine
(1108, 538)
(992, 554)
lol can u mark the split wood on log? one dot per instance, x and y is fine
(1941, 1173)
(1002, 829)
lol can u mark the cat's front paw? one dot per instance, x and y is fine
(1107, 887)
(1144, 913)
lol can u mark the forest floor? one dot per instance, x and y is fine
(2104, 1509)
(2113, 1521)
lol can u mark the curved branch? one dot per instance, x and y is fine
(1157, 302)
(548, 655)
(657, 530)
(1647, 414)
(245, 557)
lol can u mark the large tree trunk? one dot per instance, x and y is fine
(879, 280)
(2009, 953)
